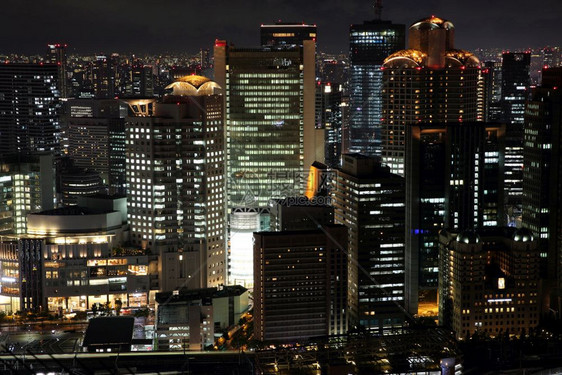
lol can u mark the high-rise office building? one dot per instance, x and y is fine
(431, 82)
(301, 284)
(369, 201)
(26, 185)
(488, 281)
(175, 181)
(453, 180)
(369, 44)
(94, 133)
(515, 90)
(286, 34)
(56, 54)
(29, 108)
(270, 133)
(542, 172)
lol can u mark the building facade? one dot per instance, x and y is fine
(489, 282)
(72, 258)
(369, 200)
(270, 133)
(29, 108)
(27, 184)
(301, 284)
(194, 319)
(516, 82)
(542, 171)
(453, 180)
(94, 134)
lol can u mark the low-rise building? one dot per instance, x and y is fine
(72, 258)
(192, 319)
(489, 281)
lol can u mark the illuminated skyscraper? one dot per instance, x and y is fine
(369, 44)
(431, 82)
(176, 188)
(270, 133)
(29, 106)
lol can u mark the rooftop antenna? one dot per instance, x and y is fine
(378, 9)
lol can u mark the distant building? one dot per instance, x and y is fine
(56, 54)
(102, 76)
(301, 284)
(453, 180)
(489, 281)
(176, 182)
(193, 319)
(492, 75)
(29, 109)
(286, 34)
(430, 82)
(142, 82)
(369, 44)
(369, 200)
(27, 184)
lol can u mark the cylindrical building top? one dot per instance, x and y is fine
(432, 36)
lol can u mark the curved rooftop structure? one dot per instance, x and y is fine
(468, 236)
(457, 57)
(406, 57)
(523, 235)
(193, 85)
(432, 23)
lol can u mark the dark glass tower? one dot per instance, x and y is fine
(369, 44)
(516, 80)
(453, 180)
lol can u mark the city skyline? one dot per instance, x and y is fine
(91, 26)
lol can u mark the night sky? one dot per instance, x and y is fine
(185, 26)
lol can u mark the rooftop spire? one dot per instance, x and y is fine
(378, 9)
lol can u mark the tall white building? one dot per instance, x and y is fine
(175, 180)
